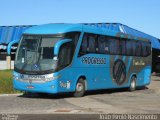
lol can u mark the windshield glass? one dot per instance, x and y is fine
(36, 53)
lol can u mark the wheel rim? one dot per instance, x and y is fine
(133, 84)
(79, 87)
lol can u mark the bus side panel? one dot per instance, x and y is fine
(120, 70)
(143, 77)
(97, 72)
(141, 67)
(147, 78)
(67, 79)
(128, 66)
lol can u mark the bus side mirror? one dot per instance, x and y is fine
(10, 45)
(59, 44)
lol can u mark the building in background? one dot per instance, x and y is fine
(7, 35)
(10, 36)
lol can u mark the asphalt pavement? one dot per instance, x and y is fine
(120, 101)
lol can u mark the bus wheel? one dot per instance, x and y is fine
(133, 84)
(80, 88)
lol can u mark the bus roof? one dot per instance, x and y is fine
(53, 28)
(63, 28)
(12, 34)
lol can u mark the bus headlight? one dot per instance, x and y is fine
(15, 77)
(52, 78)
(35, 78)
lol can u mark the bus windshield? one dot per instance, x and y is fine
(36, 53)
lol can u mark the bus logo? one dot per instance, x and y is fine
(21, 76)
(119, 72)
(35, 67)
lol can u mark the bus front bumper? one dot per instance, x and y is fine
(47, 87)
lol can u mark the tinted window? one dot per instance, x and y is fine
(138, 48)
(128, 47)
(92, 44)
(104, 45)
(84, 45)
(146, 49)
(114, 46)
(88, 44)
(101, 44)
(65, 55)
(133, 42)
(74, 36)
(122, 47)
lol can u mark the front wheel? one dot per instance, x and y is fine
(133, 84)
(80, 88)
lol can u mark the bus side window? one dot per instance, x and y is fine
(101, 45)
(92, 44)
(88, 44)
(74, 36)
(65, 54)
(138, 49)
(146, 49)
(133, 43)
(129, 48)
(144, 52)
(84, 45)
(122, 47)
(114, 46)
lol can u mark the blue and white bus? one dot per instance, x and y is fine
(57, 58)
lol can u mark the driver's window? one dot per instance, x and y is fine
(65, 55)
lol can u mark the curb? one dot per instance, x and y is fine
(10, 94)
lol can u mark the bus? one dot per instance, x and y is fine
(75, 58)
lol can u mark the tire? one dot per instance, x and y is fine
(80, 88)
(132, 86)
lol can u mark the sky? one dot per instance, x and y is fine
(143, 15)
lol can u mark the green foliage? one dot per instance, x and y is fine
(6, 84)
